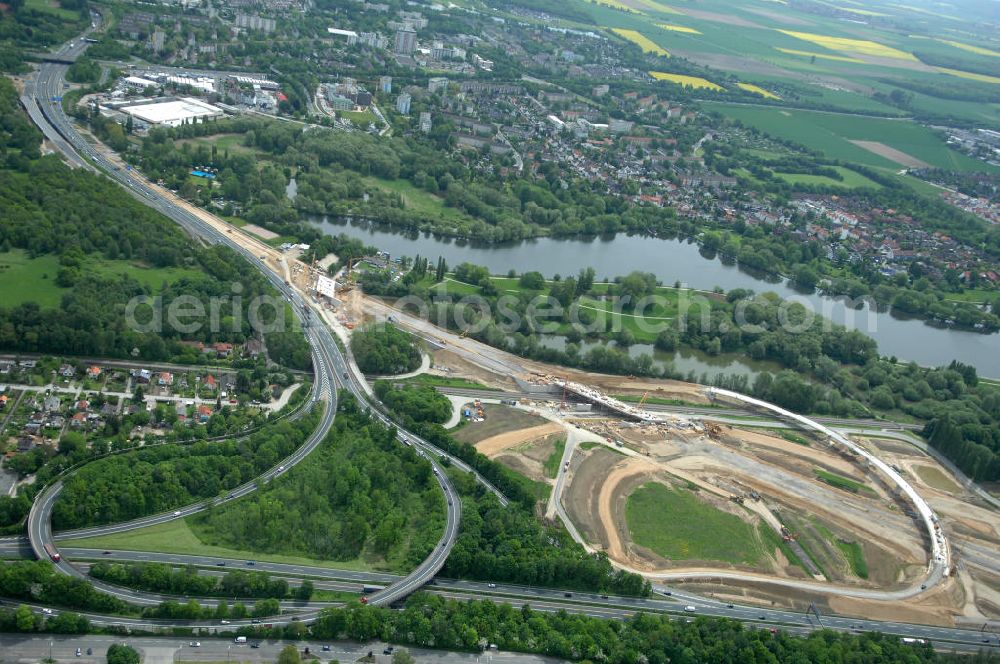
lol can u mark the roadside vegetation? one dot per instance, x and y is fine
(158, 479)
(167, 579)
(428, 620)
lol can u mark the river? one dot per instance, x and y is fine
(681, 260)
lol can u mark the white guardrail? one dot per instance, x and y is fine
(940, 553)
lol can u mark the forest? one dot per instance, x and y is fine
(361, 494)
(160, 478)
(48, 208)
(384, 350)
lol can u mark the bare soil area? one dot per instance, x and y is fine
(892, 154)
(495, 444)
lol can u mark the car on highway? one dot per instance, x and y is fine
(177, 513)
(79, 652)
(195, 644)
(255, 644)
(690, 609)
(567, 594)
(280, 468)
(491, 585)
(106, 553)
(326, 648)
(251, 563)
(729, 606)
(221, 563)
(224, 622)
(47, 612)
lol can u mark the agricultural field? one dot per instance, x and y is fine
(854, 138)
(687, 81)
(837, 60)
(643, 42)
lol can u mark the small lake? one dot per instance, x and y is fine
(674, 260)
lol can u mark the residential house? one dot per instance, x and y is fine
(204, 413)
(67, 370)
(166, 379)
(93, 373)
(52, 403)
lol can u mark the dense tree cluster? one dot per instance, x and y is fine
(432, 621)
(413, 402)
(384, 350)
(160, 478)
(360, 493)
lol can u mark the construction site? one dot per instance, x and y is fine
(782, 515)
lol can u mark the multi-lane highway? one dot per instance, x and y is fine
(332, 371)
(330, 366)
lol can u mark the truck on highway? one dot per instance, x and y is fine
(52, 553)
(371, 589)
(240, 639)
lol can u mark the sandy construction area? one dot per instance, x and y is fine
(496, 444)
(892, 154)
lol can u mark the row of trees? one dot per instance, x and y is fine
(161, 578)
(432, 621)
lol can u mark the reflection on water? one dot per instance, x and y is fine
(673, 260)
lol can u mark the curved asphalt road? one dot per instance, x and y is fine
(47, 84)
(328, 361)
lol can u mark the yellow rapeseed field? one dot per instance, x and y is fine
(656, 6)
(750, 87)
(982, 78)
(681, 79)
(678, 28)
(855, 46)
(819, 56)
(978, 50)
(646, 44)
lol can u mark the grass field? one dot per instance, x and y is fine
(553, 460)
(676, 525)
(177, 537)
(841, 482)
(51, 7)
(852, 179)
(24, 279)
(447, 381)
(687, 81)
(419, 200)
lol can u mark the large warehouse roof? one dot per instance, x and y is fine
(173, 113)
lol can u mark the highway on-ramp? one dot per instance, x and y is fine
(330, 366)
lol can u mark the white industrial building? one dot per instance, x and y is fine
(173, 113)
